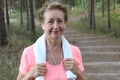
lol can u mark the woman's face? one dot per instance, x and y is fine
(54, 24)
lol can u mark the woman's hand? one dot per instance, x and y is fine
(37, 70)
(70, 64)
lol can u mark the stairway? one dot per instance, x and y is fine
(101, 56)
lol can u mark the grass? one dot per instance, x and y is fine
(18, 38)
(101, 23)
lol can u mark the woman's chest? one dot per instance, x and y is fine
(56, 72)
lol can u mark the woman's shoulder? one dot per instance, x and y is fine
(73, 47)
(75, 50)
(29, 50)
(29, 47)
(27, 59)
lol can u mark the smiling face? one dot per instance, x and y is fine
(54, 24)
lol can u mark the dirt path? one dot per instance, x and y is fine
(101, 56)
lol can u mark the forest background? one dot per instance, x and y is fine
(19, 26)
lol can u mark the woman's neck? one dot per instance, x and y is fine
(54, 51)
(53, 43)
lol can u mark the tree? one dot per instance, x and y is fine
(109, 23)
(31, 22)
(21, 11)
(103, 8)
(91, 14)
(83, 2)
(39, 3)
(114, 1)
(3, 33)
(72, 3)
(7, 14)
(27, 14)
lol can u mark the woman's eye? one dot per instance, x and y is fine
(50, 22)
(59, 21)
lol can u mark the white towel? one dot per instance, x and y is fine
(40, 54)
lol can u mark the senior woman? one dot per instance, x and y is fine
(51, 57)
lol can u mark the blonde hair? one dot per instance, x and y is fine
(50, 6)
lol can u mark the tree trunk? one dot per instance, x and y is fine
(73, 3)
(27, 15)
(103, 8)
(91, 14)
(3, 33)
(70, 3)
(114, 1)
(21, 11)
(109, 23)
(7, 14)
(31, 16)
(13, 6)
(65, 1)
(34, 5)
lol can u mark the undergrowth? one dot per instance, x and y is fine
(101, 23)
(18, 39)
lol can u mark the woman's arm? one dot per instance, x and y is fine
(22, 77)
(81, 76)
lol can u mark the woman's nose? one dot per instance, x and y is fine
(55, 25)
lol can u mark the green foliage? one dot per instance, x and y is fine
(9, 64)
(36, 14)
(82, 26)
(76, 11)
(39, 3)
(10, 55)
(115, 20)
(16, 14)
(13, 13)
(101, 22)
(22, 30)
(18, 35)
(18, 38)
(118, 1)
(81, 3)
(77, 3)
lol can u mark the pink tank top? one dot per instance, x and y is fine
(56, 72)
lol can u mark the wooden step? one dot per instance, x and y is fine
(100, 48)
(102, 67)
(100, 56)
(103, 76)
